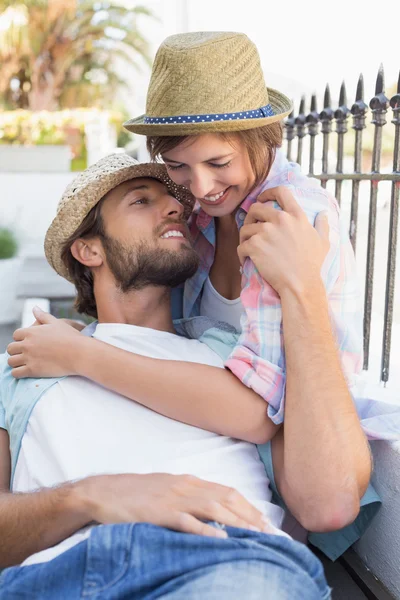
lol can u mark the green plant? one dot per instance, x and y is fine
(64, 54)
(8, 243)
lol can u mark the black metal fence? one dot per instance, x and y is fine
(316, 124)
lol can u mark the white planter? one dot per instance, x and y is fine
(10, 269)
(36, 159)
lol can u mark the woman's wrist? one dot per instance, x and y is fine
(78, 354)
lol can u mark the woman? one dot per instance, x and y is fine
(217, 127)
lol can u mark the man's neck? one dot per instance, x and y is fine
(150, 307)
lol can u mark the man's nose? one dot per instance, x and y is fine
(172, 207)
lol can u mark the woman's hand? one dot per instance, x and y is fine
(286, 249)
(43, 351)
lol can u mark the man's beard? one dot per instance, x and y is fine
(140, 265)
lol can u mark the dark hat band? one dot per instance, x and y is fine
(259, 113)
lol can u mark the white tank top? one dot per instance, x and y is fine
(215, 306)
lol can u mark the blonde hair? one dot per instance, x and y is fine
(260, 144)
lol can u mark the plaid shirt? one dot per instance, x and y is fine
(258, 359)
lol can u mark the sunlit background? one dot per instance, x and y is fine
(72, 71)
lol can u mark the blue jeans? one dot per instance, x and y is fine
(145, 562)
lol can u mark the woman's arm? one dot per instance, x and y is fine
(204, 396)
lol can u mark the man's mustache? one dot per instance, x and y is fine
(181, 222)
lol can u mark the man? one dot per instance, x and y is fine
(102, 463)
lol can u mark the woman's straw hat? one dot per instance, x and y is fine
(89, 187)
(208, 82)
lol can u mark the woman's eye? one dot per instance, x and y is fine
(221, 166)
(174, 167)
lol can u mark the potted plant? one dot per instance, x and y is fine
(10, 265)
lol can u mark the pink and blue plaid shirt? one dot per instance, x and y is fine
(258, 359)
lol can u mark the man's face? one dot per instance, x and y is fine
(147, 240)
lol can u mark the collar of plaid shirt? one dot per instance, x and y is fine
(202, 228)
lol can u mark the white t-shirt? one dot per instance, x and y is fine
(217, 307)
(79, 428)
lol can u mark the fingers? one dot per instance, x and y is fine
(42, 316)
(322, 226)
(19, 335)
(284, 197)
(247, 231)
(20, 372)
(15, 348)
(16, 361)
(215, 511)
(245, 250)
(188, 524)
(226, 505)
(242, 509)
(261, 212)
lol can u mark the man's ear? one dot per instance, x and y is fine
(88, 252)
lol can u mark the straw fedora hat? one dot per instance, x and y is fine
(89, 187)
(208, 82)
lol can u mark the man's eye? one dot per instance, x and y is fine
(139, 201)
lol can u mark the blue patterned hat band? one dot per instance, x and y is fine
(259, 113)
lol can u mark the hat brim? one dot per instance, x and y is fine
(71, 216)
(281, 106)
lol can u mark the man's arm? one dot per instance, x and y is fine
(31, 522)
(325, 461)
(201, 395)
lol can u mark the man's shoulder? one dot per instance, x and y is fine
(5, 369)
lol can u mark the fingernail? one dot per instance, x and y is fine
(265, 519)
(37, 308)
(221, 533)
(253, 528)
(324, 214)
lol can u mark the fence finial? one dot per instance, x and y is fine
(380, 81)
(359, 108)
(312, 118)
(343, 95)
(395, 103)
(300, 120)
(327, 97)
(360, 88)
(379, 103)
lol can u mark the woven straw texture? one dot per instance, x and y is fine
(207, 72)
(89, 187)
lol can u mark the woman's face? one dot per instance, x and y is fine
(218, 173)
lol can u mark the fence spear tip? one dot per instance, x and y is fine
(313, 103)
(327, 97)
(380, 81)
(360, 88)
(343, 95)
(302, 105)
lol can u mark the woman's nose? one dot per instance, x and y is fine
(199, 185)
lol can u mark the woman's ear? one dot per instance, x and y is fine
(88, 252)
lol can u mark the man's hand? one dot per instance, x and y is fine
(179, 502)
(43, 351)
(286, 249)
